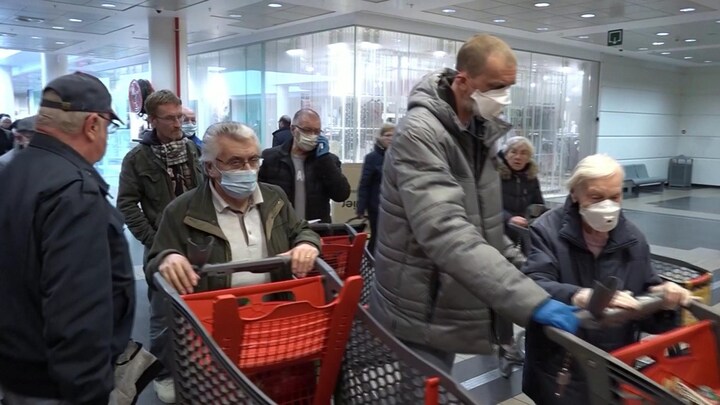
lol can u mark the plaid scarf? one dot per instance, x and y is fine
(175, 156)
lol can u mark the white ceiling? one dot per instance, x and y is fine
(94, 29)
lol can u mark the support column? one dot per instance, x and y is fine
(168, 54)
(53, 66)
(7, 95)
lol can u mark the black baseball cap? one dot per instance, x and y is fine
(24, 124)
(80, 92)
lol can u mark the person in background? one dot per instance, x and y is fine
(67, 289)
(5, 121)
(520, 184)
(189, 126)
(23, 131)
(369, 187)
(160, 168)
(574, 245)
(6, 138)
(442, 260)
(247, 220)
(283, 133)
(520, 189)
(305, 169)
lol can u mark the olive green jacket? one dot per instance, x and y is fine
(145, 189)
(192, 217)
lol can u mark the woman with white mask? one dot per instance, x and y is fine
(585, 240)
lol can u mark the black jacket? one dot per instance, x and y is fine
(324, 180)
(369, 188)
(520, 189)
(281, 136)
(6, 141)
(67, 290)
(561, 263)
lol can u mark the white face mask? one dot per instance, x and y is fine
(189, 129)
(602, 216)
(305, 142)
(491, 103)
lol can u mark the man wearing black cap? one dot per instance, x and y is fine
(22, 132)
(66, 281)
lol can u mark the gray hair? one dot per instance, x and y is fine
(302, 113)
(594, 167)
(230, 129)
(517, 142)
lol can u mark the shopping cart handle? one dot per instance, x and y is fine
(609, 317)
(250, 266)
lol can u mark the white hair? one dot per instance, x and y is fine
(517, 142)
(230, 129)
(594, 167)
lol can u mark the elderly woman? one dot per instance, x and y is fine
(369, 188)
(585, 240)
(520, 184)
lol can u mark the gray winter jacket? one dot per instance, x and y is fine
(441, 254)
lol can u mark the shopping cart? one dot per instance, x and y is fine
(635, 374)
(375, 367)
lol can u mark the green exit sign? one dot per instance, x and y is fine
(615, 37)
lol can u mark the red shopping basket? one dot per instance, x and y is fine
(696, 364)
(342, 248)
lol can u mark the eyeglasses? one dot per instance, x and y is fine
(112, 127)
(239, 164)
(310, 131)
(172, 118)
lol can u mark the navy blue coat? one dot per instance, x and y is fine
(561, 263)
(369, 188)
(67, 290)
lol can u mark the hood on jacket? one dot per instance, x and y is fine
(503, 167)
(434, 93)
(149, 137)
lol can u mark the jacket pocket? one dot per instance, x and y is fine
(152, 185)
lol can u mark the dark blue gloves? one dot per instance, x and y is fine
(323, 146)
(557, 314)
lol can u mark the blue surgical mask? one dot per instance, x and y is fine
(238, 183)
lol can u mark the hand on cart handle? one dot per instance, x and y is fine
(302, 258)
(674, 295)
(621, 299)
(177, 270)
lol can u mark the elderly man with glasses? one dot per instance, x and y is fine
(162, 167)
(306, 170)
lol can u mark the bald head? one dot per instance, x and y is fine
(474, 54)
(305, 114)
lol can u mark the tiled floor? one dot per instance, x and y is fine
(677, 223)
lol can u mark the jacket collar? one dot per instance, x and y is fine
(571, 229)
(201, 212)
(379, 149)
(53, 145)
(286, 148)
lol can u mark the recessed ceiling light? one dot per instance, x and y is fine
(275, 5)
(57, 27)
(664, 53)
(35, 37)
(707, 61)
(588, 15)
(687, 57)
(74, 20)
(717, 22)
(642, 49)
(583, 37)
(108, 5)
(691, 40)
(439, 54)
(542, 4)
(235, 15)
(23, 18)
(60, 42)
(499, 20)
(687, 10)
(295, 52)
(658, 43)
(448, 10)
(662, 34)
(543, 29)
